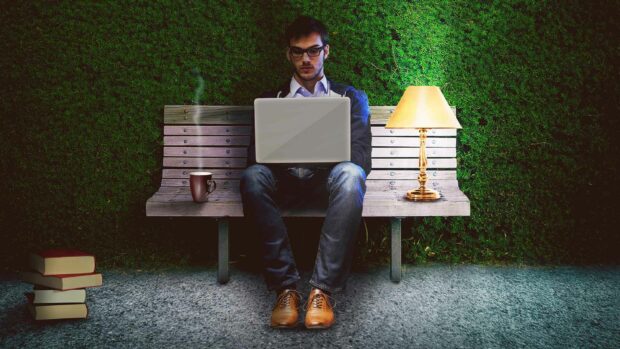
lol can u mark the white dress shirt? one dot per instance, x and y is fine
(320, 89)
(296, 91)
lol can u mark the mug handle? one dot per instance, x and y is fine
(214, 186)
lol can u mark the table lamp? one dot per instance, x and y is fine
(423, 108)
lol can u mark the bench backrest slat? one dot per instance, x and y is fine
(243, 130)
(221, 173)
(211, 130)
(235, 114)
(390, 141)
(241, 152)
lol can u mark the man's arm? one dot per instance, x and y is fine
(252, 148)
(251, 151)
(361, 136)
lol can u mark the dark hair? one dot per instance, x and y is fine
(304, 26)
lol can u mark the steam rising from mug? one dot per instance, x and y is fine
(200, 88)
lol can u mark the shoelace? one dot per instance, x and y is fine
(285, 298)
(318, 301)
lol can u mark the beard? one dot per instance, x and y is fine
(306, 77)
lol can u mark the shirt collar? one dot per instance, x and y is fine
(321, 85)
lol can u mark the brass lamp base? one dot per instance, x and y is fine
(422, 194)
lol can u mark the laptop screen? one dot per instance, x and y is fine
(302, 130)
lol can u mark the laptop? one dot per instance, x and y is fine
(302, 131)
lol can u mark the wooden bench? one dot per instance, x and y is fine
(216, 138)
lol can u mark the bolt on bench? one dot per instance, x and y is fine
(216, 138)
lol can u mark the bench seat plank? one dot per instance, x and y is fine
(375, 184)
(390, 204)
(178, 194)
(372, 192)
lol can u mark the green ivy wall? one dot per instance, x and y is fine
(535, 84)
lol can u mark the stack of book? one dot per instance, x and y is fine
(60, 278)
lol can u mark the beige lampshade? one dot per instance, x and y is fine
(423, 107)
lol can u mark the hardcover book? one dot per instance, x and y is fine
(56, 311)
(59, 262)
(48, 295)
(63, 282)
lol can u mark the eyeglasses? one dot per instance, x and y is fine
(297, 52)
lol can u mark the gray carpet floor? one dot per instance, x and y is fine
(436, 306)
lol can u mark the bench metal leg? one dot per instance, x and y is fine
(222, 251)
(395, 267)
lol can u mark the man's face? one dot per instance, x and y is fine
(306, 67)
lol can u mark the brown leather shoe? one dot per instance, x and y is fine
(285, 312)
(319, 310)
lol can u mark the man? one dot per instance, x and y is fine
(342, 185)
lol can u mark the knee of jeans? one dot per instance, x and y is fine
(347, 176)
(255, 178)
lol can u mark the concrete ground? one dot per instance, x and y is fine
(436, 306)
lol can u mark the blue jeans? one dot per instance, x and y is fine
(342, 187)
